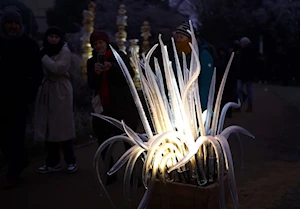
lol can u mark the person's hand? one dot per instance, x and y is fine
(98, 69)
(107, 66)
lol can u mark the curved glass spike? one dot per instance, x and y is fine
(223, 114)
(134, 93)
(219, 97)
(131, 134)
(97, 158)
(235, 129)
(124, 158)
(128, 172)
(229, 165)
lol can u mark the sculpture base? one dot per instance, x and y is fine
(184, 196)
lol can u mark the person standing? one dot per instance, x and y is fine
(106, 79)
(21, 68)
(183, 37)
(54, 121)
(246, 71)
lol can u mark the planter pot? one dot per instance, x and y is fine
(176, 195)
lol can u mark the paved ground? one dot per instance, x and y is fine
(272, 160)
(270, 178)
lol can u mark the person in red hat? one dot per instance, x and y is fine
(107, 81)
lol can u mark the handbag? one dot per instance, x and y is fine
(96, 103)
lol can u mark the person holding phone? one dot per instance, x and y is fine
(106, 79)
(100, 60)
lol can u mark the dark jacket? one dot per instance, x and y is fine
(122, 106)
(247, 64)
(21, 70)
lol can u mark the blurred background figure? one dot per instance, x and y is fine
(246, 71)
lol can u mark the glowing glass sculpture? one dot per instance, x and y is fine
(186, 140)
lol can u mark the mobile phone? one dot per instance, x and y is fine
(100, 60)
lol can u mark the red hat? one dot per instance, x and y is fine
(98, 35)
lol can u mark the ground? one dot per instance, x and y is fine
(270, 178)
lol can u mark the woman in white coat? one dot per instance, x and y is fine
(54, 106)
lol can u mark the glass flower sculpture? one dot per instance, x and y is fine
(186, 142)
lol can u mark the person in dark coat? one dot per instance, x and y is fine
(106, 79)
(21, 68)
(246, 71)
(109, 82)
(183, 38)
